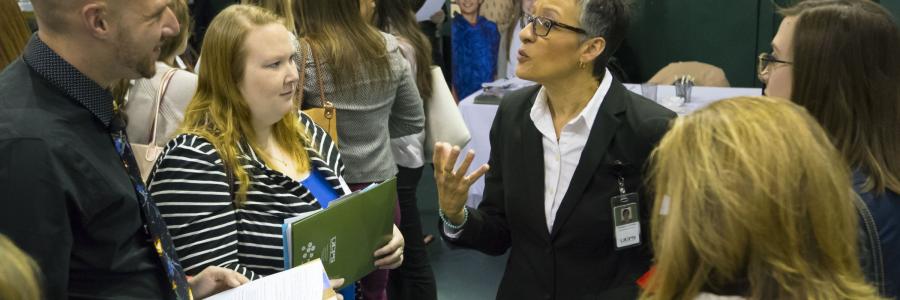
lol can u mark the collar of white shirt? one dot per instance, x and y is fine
(540, 111)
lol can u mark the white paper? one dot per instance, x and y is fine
(304, 282)
(428, 9)
(628, 234)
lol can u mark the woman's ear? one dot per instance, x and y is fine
(592, 48)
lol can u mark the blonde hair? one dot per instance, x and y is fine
(756, 198)
(218, 111)
(19, 277)
(14, 30)
(282, 8)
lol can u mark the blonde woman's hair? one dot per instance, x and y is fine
(282, 8)
(14, 30)
(218, 111)
(755, 200)
(19, 274)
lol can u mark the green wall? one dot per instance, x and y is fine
(893, 6)
(729, 34)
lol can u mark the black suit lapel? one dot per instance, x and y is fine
(533, 172)
(602, 132)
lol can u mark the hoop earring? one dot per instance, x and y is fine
(581, 65)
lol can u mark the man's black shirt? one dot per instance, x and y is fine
(66, 198)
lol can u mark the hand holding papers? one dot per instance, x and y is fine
(305, 282)
(215, 279)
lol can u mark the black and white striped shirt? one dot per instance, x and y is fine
(191, 189)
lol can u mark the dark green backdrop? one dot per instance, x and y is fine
(726, 33)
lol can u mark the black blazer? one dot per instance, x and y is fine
(577, 259)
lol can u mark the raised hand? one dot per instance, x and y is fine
(453, 185)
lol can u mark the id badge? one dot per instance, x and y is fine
(626, 220)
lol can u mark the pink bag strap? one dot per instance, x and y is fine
(160, 95)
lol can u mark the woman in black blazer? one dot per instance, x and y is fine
(567, 157)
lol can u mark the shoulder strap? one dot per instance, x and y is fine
(160, 95)
(329, 107)
(301, 67)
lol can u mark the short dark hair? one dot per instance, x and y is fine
(846, 73)
(608, 19)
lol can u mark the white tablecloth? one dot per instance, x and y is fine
(479, 117)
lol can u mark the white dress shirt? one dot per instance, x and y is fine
(562, 155)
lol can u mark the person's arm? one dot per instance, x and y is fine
(191, 189)
(484, 229)
(407, 113)
(35, 209)
(409, 54)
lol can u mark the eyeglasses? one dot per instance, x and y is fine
(766, 60)
(541, 26)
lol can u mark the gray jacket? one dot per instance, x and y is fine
(369, 113)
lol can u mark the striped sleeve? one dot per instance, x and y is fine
(323, 144)
(191, 189)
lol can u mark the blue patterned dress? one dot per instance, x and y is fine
(474, 54)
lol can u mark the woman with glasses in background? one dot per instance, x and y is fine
(839, 59)
(566, 159)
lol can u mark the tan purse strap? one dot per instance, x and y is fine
(160, 95)
(327, 105)
(301, 65)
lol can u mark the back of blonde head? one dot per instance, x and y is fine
(760, 201)
(19, 274)
(282, 8)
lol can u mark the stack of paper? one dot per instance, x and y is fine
(305, 282)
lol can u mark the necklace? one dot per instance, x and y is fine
(283, 162)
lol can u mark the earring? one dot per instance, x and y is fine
(581, 65)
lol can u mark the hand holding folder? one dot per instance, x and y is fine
(346, 234)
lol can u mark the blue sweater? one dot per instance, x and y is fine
(885, 209)
(474, 54)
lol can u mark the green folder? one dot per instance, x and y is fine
(346, 234)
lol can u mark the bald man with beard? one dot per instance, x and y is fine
(67, 190)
